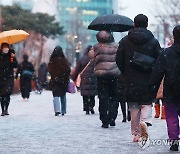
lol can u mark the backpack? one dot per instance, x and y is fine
(175, 79)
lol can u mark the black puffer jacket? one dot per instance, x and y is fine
(136, 82)
(7, 73)
(164, 68)
(88, 84)
(104, 55)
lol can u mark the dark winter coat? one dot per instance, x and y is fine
(163, 68)
(88, 84)
(136, 82)
(25, 81)
(104, 55)
(7, 73)
(59, 70)
(42, 74)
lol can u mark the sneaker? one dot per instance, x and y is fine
(57, 113)
(112, 123)
(105, 125)
(174, 146)
(136, 138)
(144, 131)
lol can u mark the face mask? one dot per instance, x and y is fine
(5, 50)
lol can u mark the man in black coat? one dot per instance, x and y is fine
(26, 70)
(165, 67)
(7, 64)
(139, 40)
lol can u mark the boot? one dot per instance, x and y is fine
(129, 116)
(157, 110)
(3, 113)
(6, 112)
(174, 146)
(163, 115)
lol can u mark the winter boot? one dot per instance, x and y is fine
(87, 112)
(105, 125)
(163, 115)
(174, 146)
(3, 113)
(92, 111)
(112, 123)
(6, 112)
(157, 110)
(124, 119)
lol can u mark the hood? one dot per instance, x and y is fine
(140, 35)
(104, 37)
(176, 47)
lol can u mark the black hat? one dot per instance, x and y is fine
(141, 20)
(176, 33)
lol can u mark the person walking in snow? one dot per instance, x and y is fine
(59, 69)
(7, 64)
(26, 71)
(168, 66)
(136, 55)
(107, 74)
(88, 86)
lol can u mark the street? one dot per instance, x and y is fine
(33, 128)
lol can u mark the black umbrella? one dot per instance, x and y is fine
(112, 22)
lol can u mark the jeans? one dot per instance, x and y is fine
(57, 104)
(108, 104)
(172, 120)
(139, 113)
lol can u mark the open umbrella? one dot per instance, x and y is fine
(111, 22)
(13, 36)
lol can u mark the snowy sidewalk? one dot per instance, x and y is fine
(33, 128)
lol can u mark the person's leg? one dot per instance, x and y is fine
(123, 109)
(129, 113)
(172, 121)
(63, 104)
(92, 104)
(56, 103)
(135, 119)
(113, 101)
(163, 115)
(7, 102)
(2, 106)
(86, 104)
(103, 101)
(157, 108)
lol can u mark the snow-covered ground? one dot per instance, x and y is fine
(33, 128)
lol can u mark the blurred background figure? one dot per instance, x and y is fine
(26, 71)
(7, 64)
(88, 86)
(59, 69)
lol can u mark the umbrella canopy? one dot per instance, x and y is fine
(111, 22)
(13, 36)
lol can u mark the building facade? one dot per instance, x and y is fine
(75, 16)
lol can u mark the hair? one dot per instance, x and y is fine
(176, 34)
(141, 20)
(104, 37)
(57, 53)
(4, 45)
(25, 57)
(86, 51)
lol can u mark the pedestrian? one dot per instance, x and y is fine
(88, 85)
(158, 101)
(42, 76)
(136, 55)
(107, 74)
(59, 69)
(121, 98)
(7, 64)
(168, 66)
(26, 71)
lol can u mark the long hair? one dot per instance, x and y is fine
(57, 53)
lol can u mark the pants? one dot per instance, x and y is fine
(123, 108)
(5, 100)
(25, 85)
(88, 102)
(172, 120)
(57, 105)
(108, 104)
(139, 113)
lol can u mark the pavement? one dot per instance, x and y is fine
(32, 127)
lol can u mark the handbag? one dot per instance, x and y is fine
(142, 62)
(78, 79)
(71, 87)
